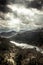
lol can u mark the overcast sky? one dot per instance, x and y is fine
(21, 14)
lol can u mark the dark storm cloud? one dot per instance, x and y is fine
(35, 3)
(3, 6)
(4, 9)
(4, 2)
(31, 3)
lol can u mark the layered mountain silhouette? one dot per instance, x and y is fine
(34, 37)
(8, 34)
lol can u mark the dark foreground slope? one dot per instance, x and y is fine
(13, 55)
